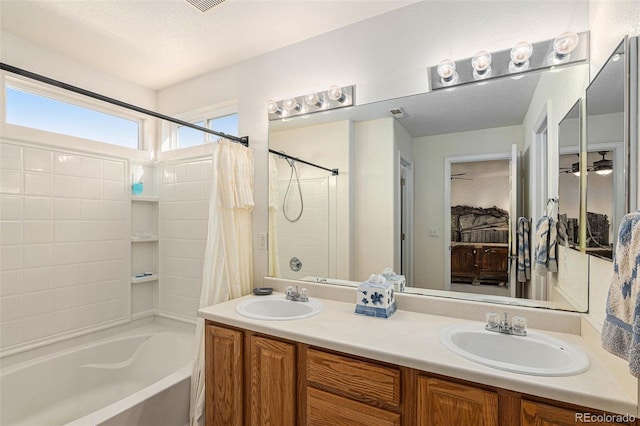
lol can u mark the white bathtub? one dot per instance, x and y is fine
(139, 377)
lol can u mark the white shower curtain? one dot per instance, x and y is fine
(228, 262)
(274, 258)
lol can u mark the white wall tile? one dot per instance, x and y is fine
(38, 184)
(38, 160)
(37, 279)
(38, 303)
(66, 275)
(10, 157)
(114, 210)
(11, 257)
(91, 272)
(91, 230)
(66, 186)
(91, 188)
(90, 209)
(38, 255)
(112, 190)
(11, 207)
(113, 249)
(11, 282)
(66, 164)
(66, 253)
(181, 174)
(194, 174)
(11, 233)
(38, 232)
(10, 182)
(110, 310)
(66, 209)
(207, 170)
(168, 174)
(113, 230)
(66, 231)
(193, 191)
(108, 290)
(74, 297)
(93, 251)
(38, 208)
(11, 333)
(113, 170)
(90, 167)
(38, 327)
(112, 270)
(10, 308)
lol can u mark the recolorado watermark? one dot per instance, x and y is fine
(603, 418)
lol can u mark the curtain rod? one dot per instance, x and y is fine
(6, 67)
(334, 172)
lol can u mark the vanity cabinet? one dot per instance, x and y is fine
(253, 379)
(479, 263)
(272, 381)
(540, 414)
(446, 403)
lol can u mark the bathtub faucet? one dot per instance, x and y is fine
(297, 296)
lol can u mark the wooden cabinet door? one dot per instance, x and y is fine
(538, 414)
(463, 261)
(494, 263)
(443, 403)
(326, 409)
(223, 376)
(272, 390)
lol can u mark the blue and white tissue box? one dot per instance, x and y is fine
(399, 281)
(376, 299)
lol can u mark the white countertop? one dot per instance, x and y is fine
(411, 339)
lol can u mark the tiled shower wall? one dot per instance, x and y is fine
(308, 237)
(186, 191)
(64, 248)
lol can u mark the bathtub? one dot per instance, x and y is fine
(138, 377)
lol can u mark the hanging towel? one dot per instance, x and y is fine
(621, 329)
(524, 255)
(546, 236)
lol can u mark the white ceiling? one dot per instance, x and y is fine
(158, 43)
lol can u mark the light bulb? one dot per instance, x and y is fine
(291, 104)
(273, 108)
(447, 72)
(520, 54)
(313, 99)
(335, 94)
(604, 172)
(563, 45)
(481, 63)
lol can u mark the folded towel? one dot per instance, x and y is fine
(621, 329)
(524, 255)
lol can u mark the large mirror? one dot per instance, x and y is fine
(431, 186)
(570, 143)
(607, 153)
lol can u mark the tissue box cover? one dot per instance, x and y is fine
(399, 282)
(376, 300)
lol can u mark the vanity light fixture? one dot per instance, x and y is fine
(566, 49)
(520, 54)
(563, 45)
(603, 167)
(481, 63)
(273, 107)
(447, 72)
(332, 98)
(291, 104)
(313, 99)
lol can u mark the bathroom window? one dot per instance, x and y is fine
(221, 119)
(54, 112)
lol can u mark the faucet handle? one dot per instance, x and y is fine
(304, 294)
(493, 320)
(519, 326)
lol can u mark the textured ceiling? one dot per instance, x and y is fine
(158, 43)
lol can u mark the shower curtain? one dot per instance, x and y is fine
(228, 262)
(274, 258)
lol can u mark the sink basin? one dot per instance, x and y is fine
(534, 354)
(276, 308)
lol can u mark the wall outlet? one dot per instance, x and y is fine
(434, 231)
(264, 240)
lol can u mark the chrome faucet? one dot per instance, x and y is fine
(517, 326)
(297, 296)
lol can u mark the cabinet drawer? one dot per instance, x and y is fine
(353, 378)
(325, 409)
